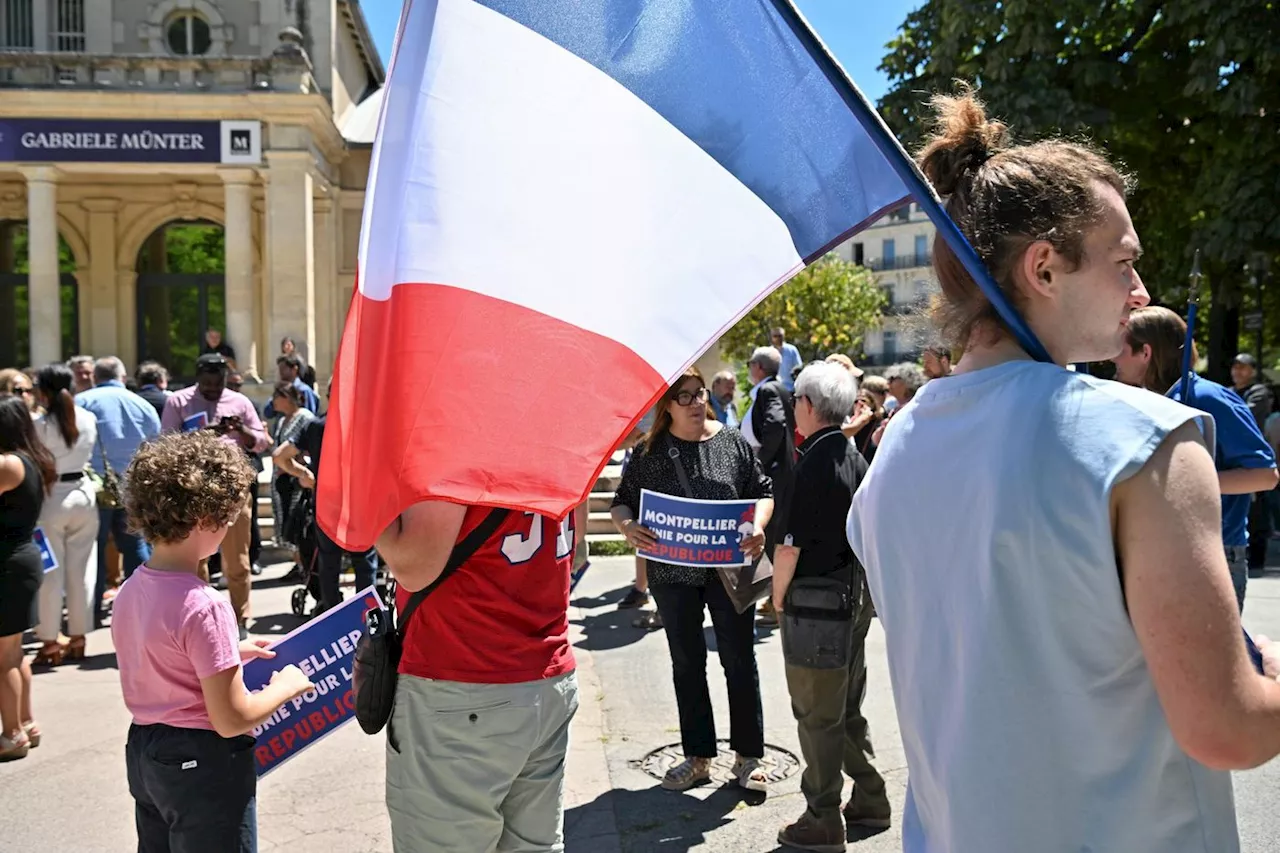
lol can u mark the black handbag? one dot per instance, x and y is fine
(745, 585)
(817, 621)
(374, 672)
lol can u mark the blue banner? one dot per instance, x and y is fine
(75, 140)
(696, 533)
(47, 556)
(324, 649)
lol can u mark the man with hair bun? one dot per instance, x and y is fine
(1063, 640)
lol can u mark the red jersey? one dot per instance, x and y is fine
(501, 618)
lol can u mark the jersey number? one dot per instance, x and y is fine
(520, 549)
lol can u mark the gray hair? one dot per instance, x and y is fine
(768, 358)
(831, 388)
(108, 369)
(909, 373)
(724, 376)
(77, 360)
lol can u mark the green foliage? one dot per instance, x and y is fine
(15, 305)
(610, 548)
(825, 308)
(1186, 94)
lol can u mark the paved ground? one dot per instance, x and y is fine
(70, 794)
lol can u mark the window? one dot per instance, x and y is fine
(188, 34)
(887, 253)
(857, 253)
(67, 19)
(16, 31)
(922, 249)
(890, 349)
(902, 214)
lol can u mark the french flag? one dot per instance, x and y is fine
(569, 201)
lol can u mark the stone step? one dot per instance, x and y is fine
(599, 522)
(600, 502)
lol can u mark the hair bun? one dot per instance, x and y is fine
(962, 141)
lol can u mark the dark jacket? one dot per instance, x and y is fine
(773, 422)
(154, 396)
(1258, 399)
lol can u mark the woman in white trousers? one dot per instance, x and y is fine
(69, 518)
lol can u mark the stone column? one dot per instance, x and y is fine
(42, 279)
(291, 232)
(99, 280)
(238, 233)
(329, 311)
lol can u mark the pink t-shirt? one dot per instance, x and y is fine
(171, 629)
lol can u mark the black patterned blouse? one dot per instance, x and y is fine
(722, 468)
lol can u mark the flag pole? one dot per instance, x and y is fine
(1193, 305)
(906, 169)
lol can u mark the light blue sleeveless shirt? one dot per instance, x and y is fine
(1027, 711)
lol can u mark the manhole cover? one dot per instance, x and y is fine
(778, 763)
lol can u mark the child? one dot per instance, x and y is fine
(190, 762)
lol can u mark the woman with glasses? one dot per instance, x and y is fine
(719, 465)
(27, 474)
(19, 384)
(69, 518)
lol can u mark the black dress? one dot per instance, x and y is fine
(722, 468)
(21, 569)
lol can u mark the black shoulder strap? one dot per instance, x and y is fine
(462, 552)
(674, 453)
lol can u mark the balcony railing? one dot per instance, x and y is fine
(900, 262)
(22, 69)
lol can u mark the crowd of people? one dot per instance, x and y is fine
(1038, 637)
(69, 433)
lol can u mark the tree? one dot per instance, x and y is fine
(825, 308)
(1186, 95)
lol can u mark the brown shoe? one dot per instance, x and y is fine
(868, 817)
(817, 836)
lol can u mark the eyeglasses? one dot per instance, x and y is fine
(685, 398)
(26, 389)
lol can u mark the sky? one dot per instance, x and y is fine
(855, 30)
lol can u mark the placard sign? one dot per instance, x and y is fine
(47, 557)
(324, 649)
(695, 532)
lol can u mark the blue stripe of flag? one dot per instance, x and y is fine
(734, 78)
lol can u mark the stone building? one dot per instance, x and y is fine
(897, 249)
(168, 166)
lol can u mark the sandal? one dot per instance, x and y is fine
(686, 774)
(750, 774)
(50, 654)
(32, 731)
(11, 749)
(75, 648)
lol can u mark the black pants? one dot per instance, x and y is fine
(330, 568)
(681, 608)
(193, 791)
(1259, 532)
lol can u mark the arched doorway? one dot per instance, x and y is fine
(181, 293)
(15, 313)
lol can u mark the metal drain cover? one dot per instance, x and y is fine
(778, 763)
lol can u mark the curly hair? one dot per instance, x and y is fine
(182, 481)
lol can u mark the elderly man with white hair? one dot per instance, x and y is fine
(820, 592)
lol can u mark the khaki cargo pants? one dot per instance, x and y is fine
(479, 768)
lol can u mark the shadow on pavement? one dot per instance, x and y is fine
(611, 629)
(276, 623)
(608, 599)
(652, 819)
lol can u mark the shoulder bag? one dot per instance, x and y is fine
(375, 670)
(109, 494)
(745, 584)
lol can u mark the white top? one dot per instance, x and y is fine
(748, 431)
(69, 459)
(1028, 715)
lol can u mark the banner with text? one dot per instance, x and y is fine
(696, 533)
(324, 649)
(78, 140)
